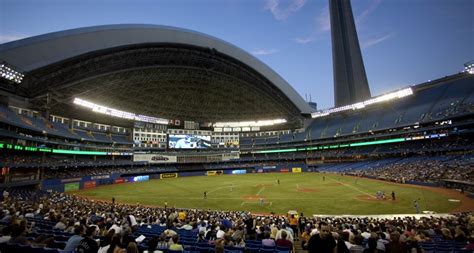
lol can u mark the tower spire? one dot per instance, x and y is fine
(350, 80)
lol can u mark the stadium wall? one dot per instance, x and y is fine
(80, 183)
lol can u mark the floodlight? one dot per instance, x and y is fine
(241, 124)
(390, 96)
(7, 72)
(469, 67)
(118, 113)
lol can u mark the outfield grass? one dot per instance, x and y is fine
(304, 192)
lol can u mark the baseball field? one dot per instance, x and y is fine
(309, 193)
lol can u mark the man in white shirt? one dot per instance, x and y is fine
(220, 232)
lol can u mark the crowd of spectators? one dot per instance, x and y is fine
(28, 160)
(452, 109)
(111, 227)
(422, 170)
(94, 171)
(9, 160)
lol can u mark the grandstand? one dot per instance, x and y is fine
(69, 146)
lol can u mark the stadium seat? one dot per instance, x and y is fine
(283, 249)
(231, 249)
(174, 251)
(252, 249)
(49, 250)
(462, 251)
(204, 249)
(443, 251)
(267, 250)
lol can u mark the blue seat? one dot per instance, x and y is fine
(444, 251)
(230, 249)
(22, 248)
(49, 250)
(459, 245)
(10, 247)
(204, 249)
(174, 251)
(462, 251)
(203, 244)
(59, 244)
(283, 249)
(427, 246)
(253, 249)
(189, 247)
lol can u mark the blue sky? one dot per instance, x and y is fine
(403, 42)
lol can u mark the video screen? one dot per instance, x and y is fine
(189, 141)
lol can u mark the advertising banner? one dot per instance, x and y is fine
(296, 170)
(89, 184)
(141, 178)
(215, 172)
(168, 175)
(119, 181)
(154, 158)
(235, 172)
(71, 187)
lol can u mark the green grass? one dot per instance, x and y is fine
(336, 195)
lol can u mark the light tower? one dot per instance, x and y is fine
(350, 80)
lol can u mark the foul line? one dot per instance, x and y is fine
(350, 186)
(261, 190)
(222, 187)
(236, 198)
(256, 203)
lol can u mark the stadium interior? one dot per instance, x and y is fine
(176, 108)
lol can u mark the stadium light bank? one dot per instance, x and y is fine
(259, 123)
(10, 73)
(469, 67)
(117, 113)
(383, 98)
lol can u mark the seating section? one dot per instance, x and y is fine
(48, 230)
(455, 97)
(42, 126)
(102, 137)
(120, 139)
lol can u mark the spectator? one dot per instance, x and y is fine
(283, 242)
(267, 241)
(323, 242)
(76, 239)
(175, 244)
(88, 244)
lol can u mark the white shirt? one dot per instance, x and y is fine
(366, 235)
(133, 221)
(220, 234)
(117, 229)
(289, 236)
(103, 249)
